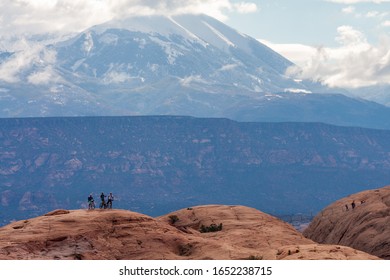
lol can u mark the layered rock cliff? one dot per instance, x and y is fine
(155, 165)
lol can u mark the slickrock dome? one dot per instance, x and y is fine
(241, 233)
(365, 227)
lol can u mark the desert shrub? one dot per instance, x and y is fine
(173, 219)
(78, 257)
(252, 257)
(185, 249)
(210, 228)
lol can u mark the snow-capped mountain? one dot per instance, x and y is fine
(195, 52)
(179, 65)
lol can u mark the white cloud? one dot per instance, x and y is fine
(245, 7)
(349, 10)
(376, 14)
(372, 14)
(33, 57)
(36, 17)
(42, 77)
(40, 16)
(10, 69)
(348, 36)
(355, 63)
(297, 53)
(358, 1)
(386, 23)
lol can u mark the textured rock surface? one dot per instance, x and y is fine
(365, 227)
(118, 234)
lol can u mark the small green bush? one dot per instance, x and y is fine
(186, 249)
(173, 219)
(252, 257)
(210, 228)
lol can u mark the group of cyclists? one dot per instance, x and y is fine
(103, 203)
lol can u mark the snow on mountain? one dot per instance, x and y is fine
(144, 50)
(190, 52)
(158, 65)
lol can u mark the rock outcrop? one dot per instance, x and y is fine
(365, 227)
(240, 233)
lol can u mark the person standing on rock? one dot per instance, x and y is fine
(91, 202)
(103, 201)
(353, 204)
(110, 199)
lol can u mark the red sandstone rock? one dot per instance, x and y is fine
(118, 234)
(365, 227)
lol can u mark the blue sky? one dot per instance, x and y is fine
(340, 43)
(312, 22)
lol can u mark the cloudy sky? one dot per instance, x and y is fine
(343, 43)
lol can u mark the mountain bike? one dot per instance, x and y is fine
(103, 205)
(91, 205)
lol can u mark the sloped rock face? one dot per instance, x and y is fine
(95, 234)
(365, 227)
(248, 233)
(245, 233)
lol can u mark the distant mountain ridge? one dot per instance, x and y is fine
(157, 164)
(182, 65)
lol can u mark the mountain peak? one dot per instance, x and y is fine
(143, 50)
(165, 65)
(199, 28)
